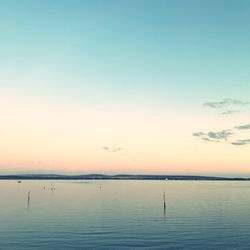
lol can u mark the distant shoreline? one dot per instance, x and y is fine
(118, 177)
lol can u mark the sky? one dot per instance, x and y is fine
(159, 87)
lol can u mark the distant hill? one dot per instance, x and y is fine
(116, 177)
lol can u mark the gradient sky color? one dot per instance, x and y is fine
(120, 86)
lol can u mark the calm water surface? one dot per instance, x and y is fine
(124, 215)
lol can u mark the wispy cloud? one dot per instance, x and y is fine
(206, 139)
(241, 142)
(224, 134)
(243, 127)
(199, 134)
(230, 112)
(218, 136)
(116, 149)
(105, 148)
(226, 102)
(112, 149)
(214, 136)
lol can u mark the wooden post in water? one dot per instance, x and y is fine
(164, 201)
(28, 202)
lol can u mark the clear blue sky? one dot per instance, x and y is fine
(124, 48)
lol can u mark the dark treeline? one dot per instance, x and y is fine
(116, 177)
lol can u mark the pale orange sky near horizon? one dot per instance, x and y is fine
(61, 137)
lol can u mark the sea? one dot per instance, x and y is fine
(124, 214)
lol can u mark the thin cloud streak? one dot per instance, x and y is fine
(214, 136)
(230, 112)
(243, 127)
(226, 102)
(241, 142)
(112, 149)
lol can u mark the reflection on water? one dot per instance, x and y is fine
(124, 215)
